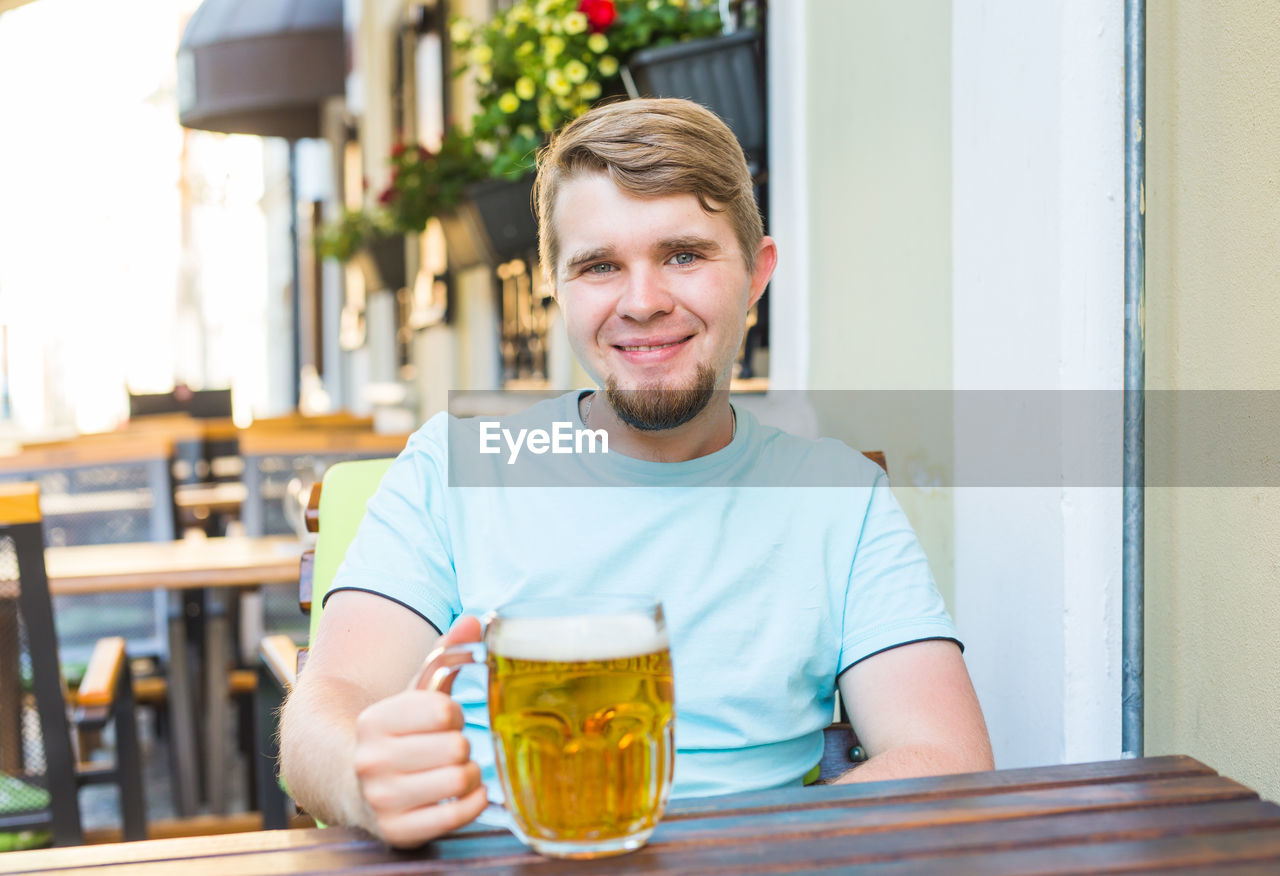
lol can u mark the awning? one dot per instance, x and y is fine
(6, 5)
(260, 66)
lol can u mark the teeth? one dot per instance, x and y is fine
(646, 349)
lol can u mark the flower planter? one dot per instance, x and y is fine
(723, 73)
(497, 217)
(382, 260)
(461, 243)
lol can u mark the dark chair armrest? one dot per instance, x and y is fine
(840, 752)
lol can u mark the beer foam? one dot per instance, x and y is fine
(586, 637)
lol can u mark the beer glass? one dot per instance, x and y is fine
(581, 708)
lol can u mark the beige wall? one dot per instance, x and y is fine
(1213, 319)
(879, 167)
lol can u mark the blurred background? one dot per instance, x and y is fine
(284, 232)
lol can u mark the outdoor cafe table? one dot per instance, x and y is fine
(1158, 813)
(215, 565)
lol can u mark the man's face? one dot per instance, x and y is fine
(655, 294)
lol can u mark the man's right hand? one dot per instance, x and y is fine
(414, 765)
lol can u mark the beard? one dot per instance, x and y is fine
(654, 408)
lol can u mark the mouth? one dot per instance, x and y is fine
(649, 348)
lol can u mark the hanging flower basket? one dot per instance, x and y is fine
(382, 259)
(462, 243)
(723, 73)
(498, 217)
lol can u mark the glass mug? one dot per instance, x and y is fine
(582, 714)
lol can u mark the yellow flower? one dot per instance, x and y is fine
(525, 48)
(597, 42)
(521, 13)
(552, 47)
(574, 23)
(576, 71)
(564, 103)
(525, 88)
(508, 103)
(484, 74)
(608, 65)
(678, 4)
(589, 90)
(557, 82)
(653, 5)
(481, 54)
(461, 31)
(527, 132)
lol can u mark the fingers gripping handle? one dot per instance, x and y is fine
(443, 663)
(438, 673)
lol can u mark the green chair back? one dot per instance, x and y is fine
(347, 489)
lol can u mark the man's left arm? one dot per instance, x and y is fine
(915, 712)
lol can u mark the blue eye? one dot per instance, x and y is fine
(684, 258)
(602, 268)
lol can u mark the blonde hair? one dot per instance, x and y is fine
(651, 148)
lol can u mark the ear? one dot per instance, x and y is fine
(766, 261)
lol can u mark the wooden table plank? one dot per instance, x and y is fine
(953, 785)
(985, 808)
(1155, 813)
(1213, 851)
(169, 565)
(768, 850)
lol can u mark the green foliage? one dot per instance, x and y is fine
(537, 65)
(426, 184)
(341, 240)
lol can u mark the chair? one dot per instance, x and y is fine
(339, 501)
(40, 772)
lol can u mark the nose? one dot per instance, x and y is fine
(644, 296)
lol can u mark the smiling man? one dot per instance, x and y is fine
(785, 567)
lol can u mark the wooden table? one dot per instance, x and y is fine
(1156, 813)
(215, 565)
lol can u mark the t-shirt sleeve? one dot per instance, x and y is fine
(891, 599)
(402, 547)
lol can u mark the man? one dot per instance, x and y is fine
(773, 595)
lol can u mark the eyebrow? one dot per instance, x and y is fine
(605, 253)
(582, 257)
(703, 244)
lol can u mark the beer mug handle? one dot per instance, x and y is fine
(437, 674)
(443, 664)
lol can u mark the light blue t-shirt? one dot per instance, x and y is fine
(770, 590)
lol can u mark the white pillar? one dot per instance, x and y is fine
(1037, 286)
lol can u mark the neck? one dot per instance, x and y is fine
(711, 430)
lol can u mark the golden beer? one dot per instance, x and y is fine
(582, 713)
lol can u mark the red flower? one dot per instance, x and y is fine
(600, 13)
(387, 196)
(397, 150)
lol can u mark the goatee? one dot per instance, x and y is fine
(654, 408)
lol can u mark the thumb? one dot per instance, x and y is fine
(440, 667)
(465, 629)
